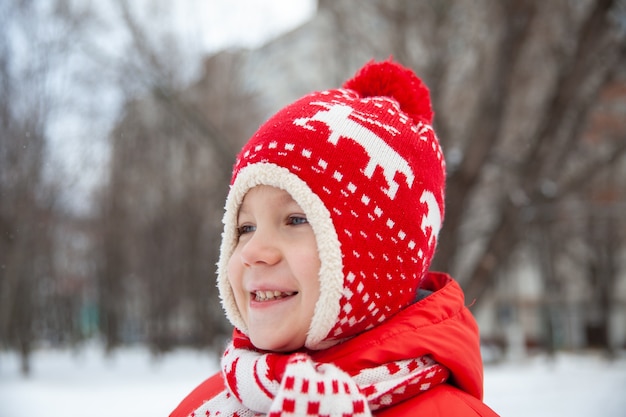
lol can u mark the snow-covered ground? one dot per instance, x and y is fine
(570, 385)
(129, 384)
(132, 383)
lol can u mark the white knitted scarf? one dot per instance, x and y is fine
(278, 385)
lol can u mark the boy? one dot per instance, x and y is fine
(330, 226)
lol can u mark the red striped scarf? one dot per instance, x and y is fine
(279, 385)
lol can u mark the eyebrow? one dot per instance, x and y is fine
(288, 199)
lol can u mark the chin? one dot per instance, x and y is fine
(276, 345)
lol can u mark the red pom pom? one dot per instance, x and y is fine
(391, 79)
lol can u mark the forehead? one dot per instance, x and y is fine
(266, 194)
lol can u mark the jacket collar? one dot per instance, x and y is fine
(439, 325)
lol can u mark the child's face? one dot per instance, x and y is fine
(274, 270)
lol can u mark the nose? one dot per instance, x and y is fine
(260, 248)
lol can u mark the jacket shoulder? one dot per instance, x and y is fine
(442, 401)
(201, 394)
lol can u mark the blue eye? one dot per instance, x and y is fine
(297, 220)
(246, 228)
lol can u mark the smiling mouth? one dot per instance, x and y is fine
(271, 295)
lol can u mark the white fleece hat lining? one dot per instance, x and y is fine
(331, 269)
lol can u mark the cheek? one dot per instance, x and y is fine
(309, 274)
(309, 261)
(234, 270)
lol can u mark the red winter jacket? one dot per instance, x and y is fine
(439, 325)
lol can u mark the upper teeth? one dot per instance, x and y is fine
(270, 295)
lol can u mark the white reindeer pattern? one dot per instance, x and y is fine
(337, 118)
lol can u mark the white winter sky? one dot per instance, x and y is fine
(245, 22)
(78, 146)
(219, 24)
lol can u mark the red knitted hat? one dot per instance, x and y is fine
(365, 166)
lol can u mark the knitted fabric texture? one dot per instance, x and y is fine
(276, 385)
(365, 165)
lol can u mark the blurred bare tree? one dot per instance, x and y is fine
(172, 154)
(514, 83)
(140, 266)
(27, 197)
